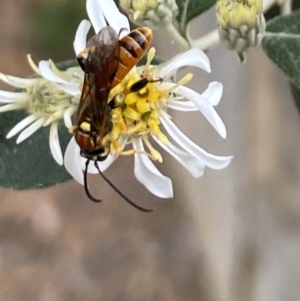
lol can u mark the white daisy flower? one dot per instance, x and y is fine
(145, 116)
(45, 102)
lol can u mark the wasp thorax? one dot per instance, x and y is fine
(152, 13)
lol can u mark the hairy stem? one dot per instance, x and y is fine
(208, 41)
(176, 37)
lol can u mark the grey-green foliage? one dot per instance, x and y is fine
(29, 164)
(283, 47)
(190, 9)
(53, 25)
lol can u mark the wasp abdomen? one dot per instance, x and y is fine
(132, 48)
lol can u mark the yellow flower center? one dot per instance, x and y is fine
(138, 116)
(234, 13)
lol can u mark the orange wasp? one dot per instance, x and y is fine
(105, 62)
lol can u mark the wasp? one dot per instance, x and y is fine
(105, 62)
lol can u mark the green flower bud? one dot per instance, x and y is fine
(241, 23)
(152, 13)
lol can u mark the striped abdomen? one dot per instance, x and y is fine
(132, 48)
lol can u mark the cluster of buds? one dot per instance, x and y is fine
(152, 13)
(241, 23)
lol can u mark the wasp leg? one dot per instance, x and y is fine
(141, 84)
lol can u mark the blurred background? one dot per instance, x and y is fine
(231, 235)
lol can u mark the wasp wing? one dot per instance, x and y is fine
(100, 68)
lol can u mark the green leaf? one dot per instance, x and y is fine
(49, 29)
(296, 95)
(283, 44)
(30, 165)
(190, 9)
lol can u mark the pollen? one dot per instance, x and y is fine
(139, 116)
(241, 23)
(233, 13)
(85, 126)
(46, 98)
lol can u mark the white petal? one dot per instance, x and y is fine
(80, 36)
(12, 96)
(179, 105)
(13, 106)
(55, 116)
(185, 106)
(70, 88)
(113, 16)
(30, 130)
(17, 81)
(205, 108)
(212, 161)
(194, 57)
(147, 174)
(67, 116)
(214, 93)
(91, 169)
(95, 14)
(54, 144)
(191, 163)
(72, 161)
(107, 162)
(21, 125)
(48, 73)
(33, 66)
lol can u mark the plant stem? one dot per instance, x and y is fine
(281, 34)
(176, 37)
(268, 4)
(286, 7)
(208, 41)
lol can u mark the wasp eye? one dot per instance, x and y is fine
(81, 62)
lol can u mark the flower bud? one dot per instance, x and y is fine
(241, 23)
(152, 13)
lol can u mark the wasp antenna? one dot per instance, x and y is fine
(86, 188)
(120, 193)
